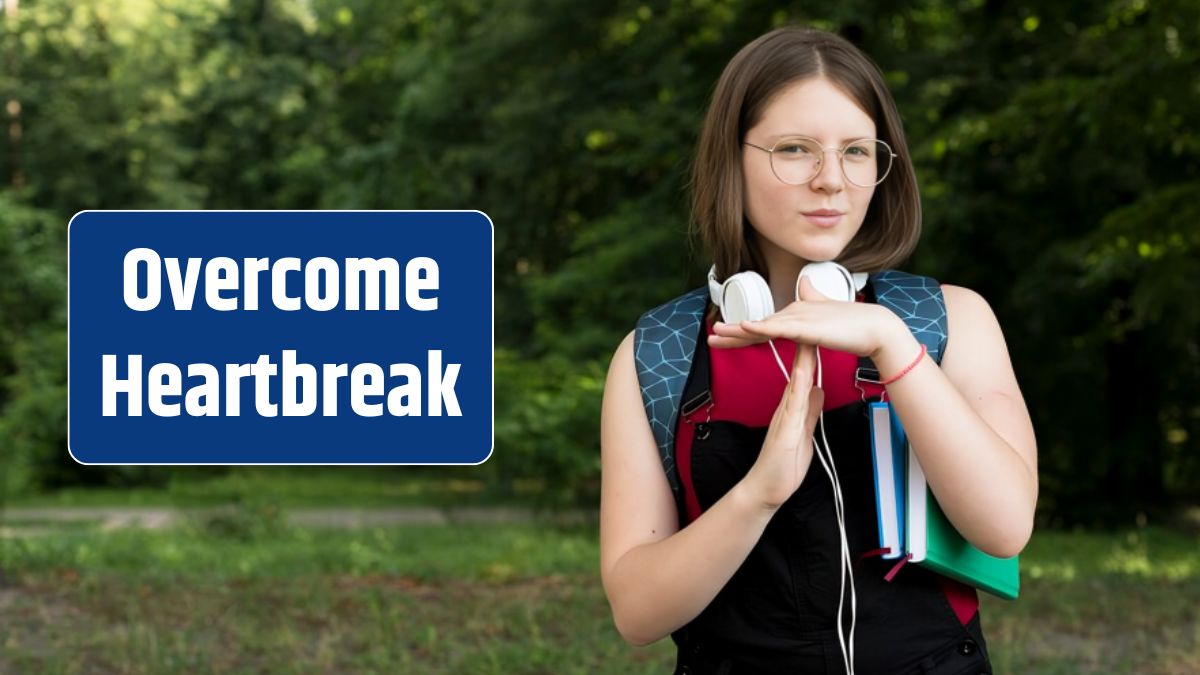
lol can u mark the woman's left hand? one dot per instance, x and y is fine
(854, 327)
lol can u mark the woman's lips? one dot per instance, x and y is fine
(823, 221)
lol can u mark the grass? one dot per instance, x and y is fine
(1094, 603)
(262, 597)
(463, 599)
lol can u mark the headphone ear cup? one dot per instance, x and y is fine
(746, 297)
(714, 286)
(831, 279)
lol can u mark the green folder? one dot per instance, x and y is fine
(932, 542)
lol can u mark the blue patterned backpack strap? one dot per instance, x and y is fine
(918, 301)
(663, 346)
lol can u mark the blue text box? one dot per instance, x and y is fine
(383, 409)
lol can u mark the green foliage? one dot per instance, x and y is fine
(1060, 148)
(1055, 143)
(548, 429)
(32, 340)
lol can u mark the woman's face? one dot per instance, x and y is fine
(776, 210)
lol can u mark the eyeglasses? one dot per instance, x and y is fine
(796, 160)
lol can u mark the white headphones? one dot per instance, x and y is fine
(745, 296)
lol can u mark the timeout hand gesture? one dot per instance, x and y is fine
(787, 450)
(854, 327)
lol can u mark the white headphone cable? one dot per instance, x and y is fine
(846, 566)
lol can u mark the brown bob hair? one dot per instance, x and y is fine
(758, 72)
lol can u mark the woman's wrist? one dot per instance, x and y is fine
(746, 493)
(896, 349)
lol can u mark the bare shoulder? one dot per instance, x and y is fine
(967, 304)
(622, 370)
(976, 352)
(625, 348)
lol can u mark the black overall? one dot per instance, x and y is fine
(778, 611)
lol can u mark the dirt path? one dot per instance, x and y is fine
(31, 521)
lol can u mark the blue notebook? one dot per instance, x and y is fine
(889, 453)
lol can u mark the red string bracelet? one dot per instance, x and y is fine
(904, 372)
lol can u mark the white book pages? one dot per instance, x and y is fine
(917, 502)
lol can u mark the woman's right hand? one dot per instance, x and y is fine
(787, 451)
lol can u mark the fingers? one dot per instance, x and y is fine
(806, 359)
(728, 336)
(809, 292)
(737, 330)
(795, 417)
(816, 401)
(805, 364)
(729, 343)
(772, 327)
(781, 324)
(804, 403)
(801, 379)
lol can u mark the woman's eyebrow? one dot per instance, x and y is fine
(777, 137)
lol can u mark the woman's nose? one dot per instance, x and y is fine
(829, 176)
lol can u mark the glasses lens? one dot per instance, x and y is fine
(866, 162)
(795, 161)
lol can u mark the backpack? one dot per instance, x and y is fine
(666, 337)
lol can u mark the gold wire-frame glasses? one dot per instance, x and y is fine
(797, 160)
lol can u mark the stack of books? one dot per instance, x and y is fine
(913, 526)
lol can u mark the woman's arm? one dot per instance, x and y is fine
(966, 420)
(968, 424)
(656, 576)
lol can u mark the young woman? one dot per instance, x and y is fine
(802, 158)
